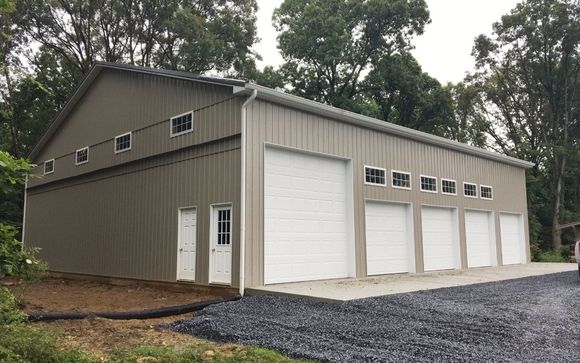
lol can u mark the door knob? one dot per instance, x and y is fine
(213, 250)
(181, 250)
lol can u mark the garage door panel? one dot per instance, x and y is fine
(305, 217)
(480, 238)
(512, 238)
(439, 230)
(387, 238)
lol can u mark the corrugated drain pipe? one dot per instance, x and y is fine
(128, 315)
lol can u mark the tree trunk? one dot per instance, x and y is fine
(559, 176)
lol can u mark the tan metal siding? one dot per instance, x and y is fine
(122, 221)
(118, 102)
(280, 125)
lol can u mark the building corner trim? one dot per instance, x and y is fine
(245, 105)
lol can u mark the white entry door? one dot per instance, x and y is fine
(388, 238)
(221, 245)
(187, 244)
(480, 238)
(512, 238)
(440, 238)
(306, 217)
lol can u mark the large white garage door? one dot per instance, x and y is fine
(480, 236)
(388, 239)
(440, 238)
(512, 238)
(305, 215)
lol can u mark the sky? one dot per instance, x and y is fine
(444, 50)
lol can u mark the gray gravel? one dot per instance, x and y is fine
(535, 319)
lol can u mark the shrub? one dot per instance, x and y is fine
(15, 260)
(558, 255)
(9, 311)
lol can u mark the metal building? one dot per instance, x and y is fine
(168, 176)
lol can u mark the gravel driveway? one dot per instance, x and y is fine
(534, 319)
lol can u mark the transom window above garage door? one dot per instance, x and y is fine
(401, 179)
(486, 192)
(82, 156)
(375, 176)
(470, 190)
(182, 124)
(428, 184)
(448, 186)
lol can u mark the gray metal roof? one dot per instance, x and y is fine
(243, 87)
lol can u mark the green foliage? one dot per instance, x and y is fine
(558, 255)
(328, 45)
(15, 260)
(9, 310)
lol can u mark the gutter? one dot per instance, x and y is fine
(243, 191)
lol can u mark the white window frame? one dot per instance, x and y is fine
(481, 194)
(171, 134)
(44, 166)
(130, 142)
(374, 167)
(410, 187)
(77, 156)
(449, 180)
(476, 190)
(425, 190)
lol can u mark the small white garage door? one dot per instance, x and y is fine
(512, 238)
(480, 237)
(305, 216)
(388, 239)
(440, 238)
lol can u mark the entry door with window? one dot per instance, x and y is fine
(186, 252)
(221, 245)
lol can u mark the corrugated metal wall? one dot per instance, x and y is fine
(118, 102)
(123, 222)
(117, 215)
(276, 124)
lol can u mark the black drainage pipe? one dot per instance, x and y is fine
(128, 315)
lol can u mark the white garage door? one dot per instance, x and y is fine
(512, 238)
(440, 238)
(305, 215)
(387, 237)
(480, 236)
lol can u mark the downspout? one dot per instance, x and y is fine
(243, 192)
(24, 211)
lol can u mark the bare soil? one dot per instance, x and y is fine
(102, 336)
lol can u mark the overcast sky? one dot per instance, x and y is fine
(444, 50)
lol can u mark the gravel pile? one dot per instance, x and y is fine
(535, 319)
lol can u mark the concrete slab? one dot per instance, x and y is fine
(340, 290)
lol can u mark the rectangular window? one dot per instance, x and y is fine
(82, 156)
(485, 192)
(401, 179)
(375, 176)
(428, 184)
(123, 143)
(182, 124)
(224, 224)
(470, 190)
(49, 166)
(448, 186)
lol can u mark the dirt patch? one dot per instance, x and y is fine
(78, 295)
(102, 336)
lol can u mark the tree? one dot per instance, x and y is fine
(528, 74)
(194, 36)
(328, 45)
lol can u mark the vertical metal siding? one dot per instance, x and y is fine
(119, 102)
(122, 222)
(276, 124)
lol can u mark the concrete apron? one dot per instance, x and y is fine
(340, 290)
